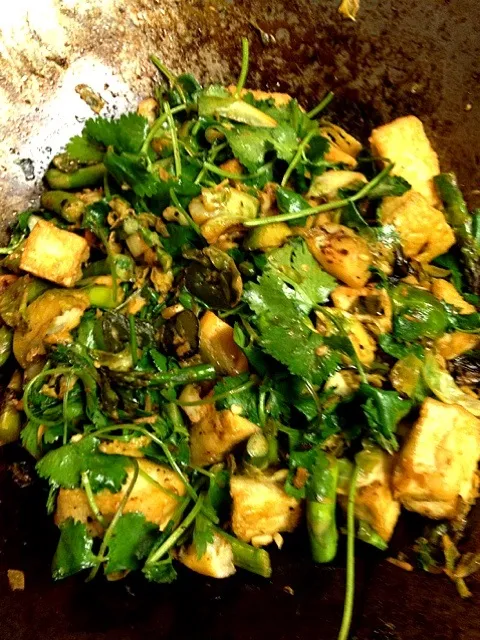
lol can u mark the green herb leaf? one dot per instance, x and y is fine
(161, 572)
(246, 399)
(127, 134)
(202, 534)
(384, 410)
(131, 540)
(84, 150)
(391, 186)
(65, 465)
(74, 550)
(130, 169)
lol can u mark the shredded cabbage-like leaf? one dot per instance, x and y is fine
(441, 383)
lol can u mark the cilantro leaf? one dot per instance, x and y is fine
(127, 134)
(129, 169)
(202, 534)
(389, 186)
(64, 466)
(132, 540)
(384, 410)
(246, 399)
(250, 144)
(84, 150)
(74, 550)
(297, 267)
(396, 349)
(178, 237)
(162, 572)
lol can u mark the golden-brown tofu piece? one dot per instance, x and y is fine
(216, 435)
(218, 347)
(452, 345)
(157, 503)
(424, 232)
(445, 291)
(216, 562)
(132, 448)
(54, 254)
(436, 470)
(341, 252)
(261, 508)
(405, 143)
(374, 500)
(344, 148)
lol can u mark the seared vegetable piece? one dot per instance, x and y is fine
(156, 494)
(5, 344)
(328, 184)
(218, 347)
(220, 209)
(417, 314)
(320, 508)
(441, 383)
(269, 237)
(216, 562)
(405, 143)
(213, 277)
(10, 419)
(234, 109)
(341, 252)
(436, 470)
(247, 557)
(180, 335)
(83, 177)
(371, 306)
(465, 226)
(49, 320)
(65, 204)
(261, 509)
(54, 254)
(423, 230)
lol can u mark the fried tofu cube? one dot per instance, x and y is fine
(261, 509)
(218, 347)
(216, 562)
(213, 437)
(374, 500)
(54, 254)
(436, 470)
(424, 232)
(157, 498)
(405, 143)
(445, 291)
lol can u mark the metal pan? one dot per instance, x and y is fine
(402, 56)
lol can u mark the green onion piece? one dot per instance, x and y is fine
(244, 70)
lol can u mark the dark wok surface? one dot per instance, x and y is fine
(402, 56)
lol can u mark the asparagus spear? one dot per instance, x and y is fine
(176, 377)
(83, 177)
(321, 501)
(63, 203)
(247, 557)
(463, 223)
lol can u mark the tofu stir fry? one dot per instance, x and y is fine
(230, 319)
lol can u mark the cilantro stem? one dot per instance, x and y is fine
(170, 77)
(28, 389)
(133, 427)
(184, 212)
(173, 135)
(327, 206)
(176, 535)
(212, 154)
(143, 474)
(64, 408)
(133, 340)
(220, 396)
(157, 125)
(323, 104)
(115, 519)
(91, 499)
(350, 582)
(262, 416)
(296, 158)
(244, 70)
